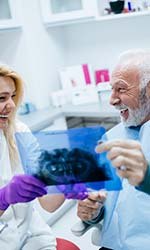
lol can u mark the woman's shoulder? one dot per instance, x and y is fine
(21, 127)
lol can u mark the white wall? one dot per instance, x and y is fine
(36, 53)
(100, 43)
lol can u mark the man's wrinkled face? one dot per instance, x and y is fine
(127, 97)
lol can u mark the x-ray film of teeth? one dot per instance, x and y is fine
(68, 157)
(63, 166)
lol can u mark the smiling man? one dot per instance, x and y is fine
(130, 90)
(126, 213)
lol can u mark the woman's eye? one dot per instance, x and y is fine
(2, 98)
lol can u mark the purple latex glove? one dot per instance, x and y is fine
(74, 191)
(21, 188)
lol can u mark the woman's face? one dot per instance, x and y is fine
(7, 105)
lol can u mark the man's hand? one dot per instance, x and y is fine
(89, 208)
(127, 157)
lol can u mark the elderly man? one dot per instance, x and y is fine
(126, 213)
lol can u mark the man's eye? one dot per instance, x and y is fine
(120, 90)
(13, 95)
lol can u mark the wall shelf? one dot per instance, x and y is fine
(86, 19)
(90, 11)
(70, 13)
(123, 16)
(80, 18)
(9, 25)
(9, 15)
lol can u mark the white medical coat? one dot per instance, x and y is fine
(21, 227)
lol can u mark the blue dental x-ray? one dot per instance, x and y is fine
(68, 157)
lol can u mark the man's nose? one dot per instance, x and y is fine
(114, 99)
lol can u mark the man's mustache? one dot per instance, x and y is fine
(120, 107)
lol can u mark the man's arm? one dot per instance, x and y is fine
(145, 185)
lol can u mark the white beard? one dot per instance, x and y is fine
(137, 116)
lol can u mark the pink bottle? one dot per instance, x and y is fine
(102, 75)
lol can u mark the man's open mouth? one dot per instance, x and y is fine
(124, 113)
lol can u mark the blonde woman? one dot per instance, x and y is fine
(21, 227)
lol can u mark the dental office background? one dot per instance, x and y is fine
(39, 40)
(65, 50)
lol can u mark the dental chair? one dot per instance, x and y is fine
(81, 227)
(63, 244)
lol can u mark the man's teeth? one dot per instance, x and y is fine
(122, 110)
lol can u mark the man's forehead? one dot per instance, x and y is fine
(125, 75)
(125, 69)
(118, 82)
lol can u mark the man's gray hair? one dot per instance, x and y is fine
(140, 58)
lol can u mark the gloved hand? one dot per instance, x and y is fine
(21, 188)
(74, 191)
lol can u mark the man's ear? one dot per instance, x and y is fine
(148, 89)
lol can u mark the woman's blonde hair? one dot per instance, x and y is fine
(6, 71)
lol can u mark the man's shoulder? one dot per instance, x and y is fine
(117, 131)
(122, 132)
